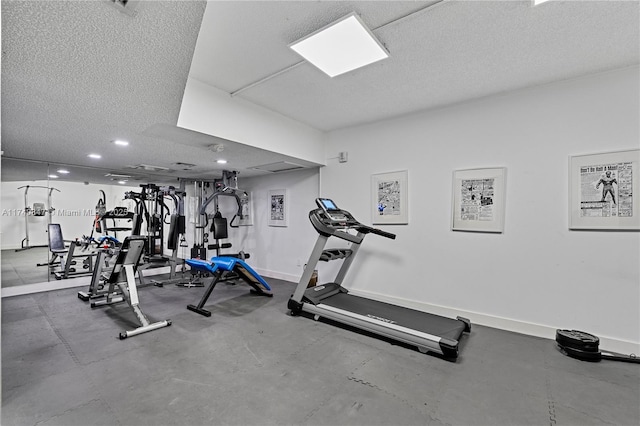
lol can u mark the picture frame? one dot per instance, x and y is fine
(390, 198)
(479, 200)
(278, 203)
(601, 191)
(246, 205)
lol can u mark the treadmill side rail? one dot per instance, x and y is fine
(401, 334)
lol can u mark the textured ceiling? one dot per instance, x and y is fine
(78, 74)
(442, 52)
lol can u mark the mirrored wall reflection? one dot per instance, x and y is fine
(28, 203)
(51, 207)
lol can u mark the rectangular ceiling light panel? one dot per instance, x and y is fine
(340, 47)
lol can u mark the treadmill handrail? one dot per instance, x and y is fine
(368, 229)
(328, 227)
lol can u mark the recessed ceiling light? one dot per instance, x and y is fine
(221, 161)
(537, 2)
(122, 182)
(53, 176)
(95, 156)
(341, 47)
(63, 171)
(120, 142)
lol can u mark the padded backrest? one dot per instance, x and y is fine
(129, 254)
(176, 227)
(38, 209)
(220, 230)
(136, 224)
(56, 242)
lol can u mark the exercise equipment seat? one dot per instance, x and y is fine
(218, 266)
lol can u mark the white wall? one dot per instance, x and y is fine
(75, 205)
(277, 252)
(211, 111)
(535, 277)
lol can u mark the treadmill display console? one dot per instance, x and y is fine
(331, 210)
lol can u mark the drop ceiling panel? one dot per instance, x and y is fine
(243, 41)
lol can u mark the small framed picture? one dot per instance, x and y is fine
(390, 198)
(601, 191)
(278, 207)
(478, 200)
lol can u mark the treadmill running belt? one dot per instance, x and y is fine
(410, 318)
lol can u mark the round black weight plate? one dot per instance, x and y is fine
(578, 340)
(582, 355)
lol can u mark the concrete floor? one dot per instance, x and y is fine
(252, 364)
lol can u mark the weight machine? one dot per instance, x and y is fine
(68, 263)
(152, 211)
(225, 187)
(37, 210)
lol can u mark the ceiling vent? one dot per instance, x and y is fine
(281, 166)
(116, 176)
(184, 166)
(149, 168)
(127, 7)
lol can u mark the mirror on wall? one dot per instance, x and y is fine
(38, 197)
(29, 198)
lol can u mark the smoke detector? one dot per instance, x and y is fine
(126, 6)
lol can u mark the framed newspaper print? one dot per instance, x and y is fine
(479, 200)
(390, 198)
(278, 207)
(601, 191)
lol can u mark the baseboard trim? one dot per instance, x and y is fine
(278, 275)
(508, 324)
(21, 290)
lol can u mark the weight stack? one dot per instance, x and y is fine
(199, 253)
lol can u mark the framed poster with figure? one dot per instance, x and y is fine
(601, 191)
(390, 198)
(478, 200)
(278, 205)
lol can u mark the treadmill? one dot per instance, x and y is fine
(427, 332)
